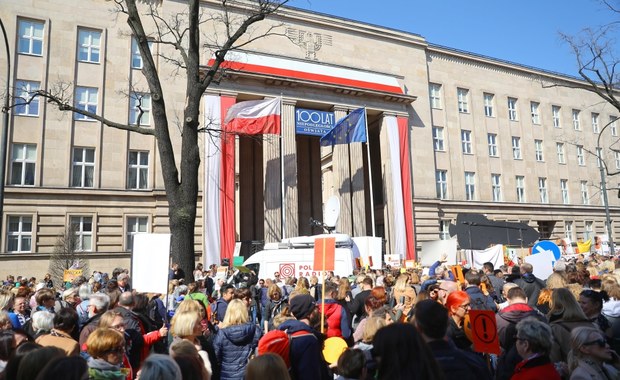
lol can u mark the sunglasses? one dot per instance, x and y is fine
(599, 342)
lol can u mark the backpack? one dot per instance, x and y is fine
(153, 314)
(279, 342)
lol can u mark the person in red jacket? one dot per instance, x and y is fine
(534, 345)
(335, 315)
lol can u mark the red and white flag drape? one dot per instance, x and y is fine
(254, 117)
(251, 117)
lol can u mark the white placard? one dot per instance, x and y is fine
(431, 251)
(150, 263)
(368, 246)
(542, 263)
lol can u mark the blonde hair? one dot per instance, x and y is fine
(183, 324)
(564, 302)
(107, 318)
(373, 324)
(556, 281)
(401, 283)
(181, 347)
(344, 287)
(102, 340)
(236, 313)
(579, 336)
(273, 289)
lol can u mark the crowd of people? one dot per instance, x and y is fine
(395, 324)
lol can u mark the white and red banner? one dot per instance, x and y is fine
(254, 117)
(398, 136)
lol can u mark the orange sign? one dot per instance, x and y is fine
(324, 253)
(457, 270)
(484, 331)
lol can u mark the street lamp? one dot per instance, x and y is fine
(5, 124)
(602, 167)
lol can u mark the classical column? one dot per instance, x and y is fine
(272, 200)
(357, 186)
(289, 157)
(342, 180)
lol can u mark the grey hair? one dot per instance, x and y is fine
(538, 334)
(101, 301)
(42, 321)
(578, 337)
(160, 367)
(85, 291)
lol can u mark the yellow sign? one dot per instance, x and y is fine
(71, 274)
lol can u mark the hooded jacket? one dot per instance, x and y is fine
(233, 347)
(561, 335)
(306, 352)
(531, 285)
(337, 320)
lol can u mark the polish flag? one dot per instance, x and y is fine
(254, 117)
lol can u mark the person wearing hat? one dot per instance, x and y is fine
(306, 353)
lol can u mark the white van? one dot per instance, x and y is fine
(294, 257)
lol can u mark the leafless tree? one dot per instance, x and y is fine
(67, 255)
(179, 37)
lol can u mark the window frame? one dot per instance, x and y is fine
(517, 153)
(438, 139)
(496, 187)
(20, 234)
(81, 233)
(441, 184)
(564, 191)
(28, 166)
(561, 153)
(130, 233)
(466, 142)
(444, 229)
(542, 190)
(535, 111)
(595, 125)
(489, 100)
(520, 187)
(576, 115)
(435, 96)
(86, 49)
(83, 101)
(556, 115)
(585, 194)
(32, 39)
(140, 99)
(470, 186)
(512, 109)
(539, 150)
(581, 158)
(462, 97)
(83, 165)
(613, 125)
(138, 169)
(24, 90)
(492, 143)
(569, 230)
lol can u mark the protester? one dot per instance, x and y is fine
(218, 308)
(159, 367)
(66, 368)
(533, 343)
(273, 306)
(186, 355)
(336, 316)
(235, 341)
(351, 365)
(33, 362)
(458, 305)
(404, 294)
(591, 302)
(61, 336)
(267, 366)
(186, 325)
(106, 348)
(590, 356)
(402, 354)
(529, 283)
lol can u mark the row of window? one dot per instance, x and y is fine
(86, 98)
(493, 150)
(441, 180)
(24, 159)
(31, 42)
(463, 105)
(588, 230)
(19, 232)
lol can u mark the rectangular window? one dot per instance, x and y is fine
(520, 180)
(434, 90)
(492, 140)
(26, 104)
(441, 181)
(444, 229)
(83, 167)
(568, 230)
(561, 155)
(463, 99)
(496, 187)
(140, 109)
(138, 171)
(576, 123)
(555, 111)
(595, 127)
(470, 186)
(86, 99)
(585, 196)
(488, 105)
(564, 191)
(542, 190)
(19, 234)
(581, 158)
(534, 106)
(30, 39)
(438, 142)
(613, 125)
(538, 149)
(617, 158)
(516, 147)
(588, 230)
(135, 225)
(512, 109)
(83, 230)
(89, 45)
(23, 164)
(136, 57)
(466, 141)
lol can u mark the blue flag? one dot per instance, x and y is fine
(351, 128)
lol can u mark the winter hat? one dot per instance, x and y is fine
(302, 305)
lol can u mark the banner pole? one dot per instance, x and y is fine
(324, 241)
(372, 201)
(282, 200)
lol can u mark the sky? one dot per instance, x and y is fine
(526, 32)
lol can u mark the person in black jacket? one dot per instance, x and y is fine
(356, 306)
(529, 283)
(431, 320)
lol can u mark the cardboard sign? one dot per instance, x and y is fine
(410, 264)
(71, 274)
(324, 254)
(150, 261)
(484, 331)
(238, 261)
(392, 260)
